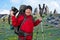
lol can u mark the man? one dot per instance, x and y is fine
(28, 25)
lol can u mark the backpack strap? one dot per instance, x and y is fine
(17, 29)
(23, 21)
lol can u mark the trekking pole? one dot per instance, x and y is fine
(40, 13)
(37, 33)
(42, 30)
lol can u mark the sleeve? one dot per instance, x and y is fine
(37, 22)
(16, 21)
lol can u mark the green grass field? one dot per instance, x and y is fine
(50, 33)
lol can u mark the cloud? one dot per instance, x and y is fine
(53, 5)
(15, 1)
(4, 12)
(33, 3)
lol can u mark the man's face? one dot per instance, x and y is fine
(28, 12)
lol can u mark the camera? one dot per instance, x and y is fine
(15, 10)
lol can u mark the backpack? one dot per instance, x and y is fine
(17, 30)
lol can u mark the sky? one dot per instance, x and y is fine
(5, 5)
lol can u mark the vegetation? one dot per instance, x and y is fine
(50, 32)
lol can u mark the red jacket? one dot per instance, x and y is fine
(27, 25)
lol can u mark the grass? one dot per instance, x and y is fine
(50, 32)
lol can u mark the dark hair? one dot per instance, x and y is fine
(29, 7)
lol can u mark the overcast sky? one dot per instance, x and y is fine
(5, 5)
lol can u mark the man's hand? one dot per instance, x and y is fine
(40, 18)
(11, 13)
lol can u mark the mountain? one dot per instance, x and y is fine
(1, 15)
